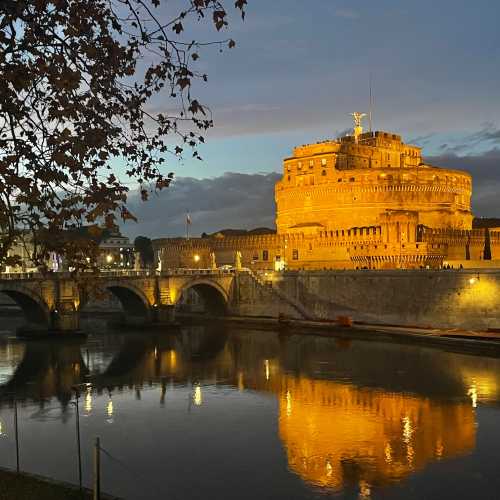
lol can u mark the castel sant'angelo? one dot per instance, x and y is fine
(366, 200)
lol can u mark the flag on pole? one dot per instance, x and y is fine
(188, 218)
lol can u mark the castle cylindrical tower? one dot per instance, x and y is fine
(347, 183)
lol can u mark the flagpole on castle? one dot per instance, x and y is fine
(188, 223)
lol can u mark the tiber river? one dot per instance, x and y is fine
(218, 412)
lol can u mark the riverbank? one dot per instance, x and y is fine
(458, 340)
(26, 486)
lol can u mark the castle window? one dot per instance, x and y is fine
(265, 255)
(289, 177)
(299, 166)
(324, 172)
(348, 232)
(339, 180)
(310, 246)
(352, 179)
(311, 163)
(255, 257)
(295, 255)
(323, 162)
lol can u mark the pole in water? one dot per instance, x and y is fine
(78, 441)
(97, 470)
(16, 434)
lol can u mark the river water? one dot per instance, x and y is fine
(218, 412)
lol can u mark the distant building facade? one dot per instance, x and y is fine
(362, 201)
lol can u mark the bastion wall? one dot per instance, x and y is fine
(430, 298)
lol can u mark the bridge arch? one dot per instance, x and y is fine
(213, 295)
(135, 304)
(35, 309)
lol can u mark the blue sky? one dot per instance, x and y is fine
(301, 66)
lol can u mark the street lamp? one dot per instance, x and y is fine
(196, 258)
(109, 258)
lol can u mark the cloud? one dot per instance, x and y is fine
(485, 171)
(233, 200)
(487, 137)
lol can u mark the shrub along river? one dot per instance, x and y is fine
(215, 411)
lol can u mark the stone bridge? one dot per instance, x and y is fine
(54, 301)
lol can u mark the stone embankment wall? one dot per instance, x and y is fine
(431, 298)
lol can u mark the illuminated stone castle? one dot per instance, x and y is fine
(367, 200)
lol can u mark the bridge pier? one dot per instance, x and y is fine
(64, 318)
(165, 314)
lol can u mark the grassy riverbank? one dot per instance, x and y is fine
(27, 487)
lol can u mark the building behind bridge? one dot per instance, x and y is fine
(367, 200)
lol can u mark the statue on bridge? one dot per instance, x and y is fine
(237, 260)
(213, 263)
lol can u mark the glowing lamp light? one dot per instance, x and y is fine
(109, 258)
(472, 281)
(196, 258)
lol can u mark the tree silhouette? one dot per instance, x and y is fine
(77, 82)
(144, 246)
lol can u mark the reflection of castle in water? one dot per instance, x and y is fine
(337, 434)
(349, 413)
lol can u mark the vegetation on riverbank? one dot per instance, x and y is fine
(23, 487)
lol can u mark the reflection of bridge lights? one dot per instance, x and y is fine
(266, 364)
(173, 360)
(197, 398)
(241, 385)
(1, 429)
(88, 400)
(109, 408)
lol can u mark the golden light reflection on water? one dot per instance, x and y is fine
(109, 408)
(87, 406)
(197, 396)
(337, 434)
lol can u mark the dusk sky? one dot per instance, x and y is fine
(301, 66)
